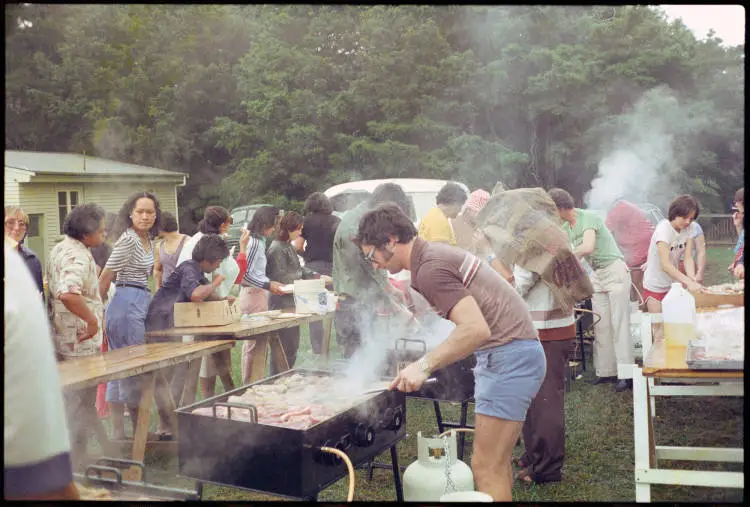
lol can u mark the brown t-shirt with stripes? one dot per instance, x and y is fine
(444, 275)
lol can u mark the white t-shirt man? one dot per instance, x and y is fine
(37, 445)
(654, 278)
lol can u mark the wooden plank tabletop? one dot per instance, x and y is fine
(663, 361)
(117, 364)
(244, 328)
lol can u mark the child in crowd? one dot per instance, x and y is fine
(187, 283)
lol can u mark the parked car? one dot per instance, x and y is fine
(421, 191)
(241, 216)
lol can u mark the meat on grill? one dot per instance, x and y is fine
(297, 402)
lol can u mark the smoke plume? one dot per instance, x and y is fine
(647, 149)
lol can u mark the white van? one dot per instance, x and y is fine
(421, 191)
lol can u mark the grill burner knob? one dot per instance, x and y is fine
(397, 420)
(364, 435)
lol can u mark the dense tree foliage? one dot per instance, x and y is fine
(267, 103)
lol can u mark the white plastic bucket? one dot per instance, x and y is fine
(466, 496)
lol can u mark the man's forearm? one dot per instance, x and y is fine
(463, 341)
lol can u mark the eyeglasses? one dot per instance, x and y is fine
(369, 255)
(12, 223)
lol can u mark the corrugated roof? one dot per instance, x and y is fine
(72, 163)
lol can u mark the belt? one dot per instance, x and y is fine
(132, 285)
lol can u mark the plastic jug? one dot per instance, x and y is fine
(680, 316)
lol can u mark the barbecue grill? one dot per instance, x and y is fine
(106, 474)
(281, 460)
(453, 383)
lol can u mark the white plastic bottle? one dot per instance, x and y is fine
(680, 316)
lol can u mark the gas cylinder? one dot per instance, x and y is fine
(437, 470)
(678, 308)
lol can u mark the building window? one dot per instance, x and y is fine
(66, 201)
(34, 226)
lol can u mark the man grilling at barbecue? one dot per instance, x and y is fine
(492, 322)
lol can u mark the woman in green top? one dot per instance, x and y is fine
(283, 266)
(613, 350)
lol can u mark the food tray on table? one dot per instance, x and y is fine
(696, 360)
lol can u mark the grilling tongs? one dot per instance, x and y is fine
(430, 380)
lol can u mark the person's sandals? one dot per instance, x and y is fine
(525, 476)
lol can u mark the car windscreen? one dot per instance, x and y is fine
(238, 216)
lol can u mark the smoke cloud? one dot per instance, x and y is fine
(647, 149)
(379, 336)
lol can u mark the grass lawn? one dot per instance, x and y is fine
(599, 439)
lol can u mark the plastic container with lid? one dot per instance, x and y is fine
(680, 317)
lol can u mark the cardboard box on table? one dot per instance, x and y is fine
(205, 313)
(704, 300)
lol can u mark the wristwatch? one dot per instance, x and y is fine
(424, 365)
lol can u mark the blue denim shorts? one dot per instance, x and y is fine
(507, 378)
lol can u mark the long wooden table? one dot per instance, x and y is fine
(263, 329)
(669, 363)
(147, 360)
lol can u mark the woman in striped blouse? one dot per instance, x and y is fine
(255, 284)
(130, 264)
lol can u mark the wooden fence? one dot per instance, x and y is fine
(719, 229)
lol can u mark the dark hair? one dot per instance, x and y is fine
(563, 200)
(211, 247)
(682, 205)
(739, 196)
(393, 193)
(263, 218)
(213, 218)
(318, 203)
(109, 222)
(124, 221)
(377, 226)
(451, 193)
(290, 223)
(82, 220)
(168, 222)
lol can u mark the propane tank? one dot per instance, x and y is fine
(437, 470)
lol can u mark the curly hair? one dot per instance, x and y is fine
(83, 220)
(211, 247)
(124, 221)
(318, 203)
(377, 226)
(290, 223)
(213, 218)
